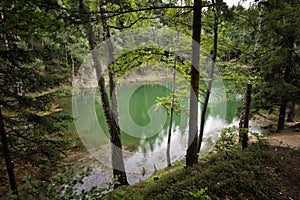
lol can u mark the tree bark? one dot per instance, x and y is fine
(113, 128)
(122, 178)
(292, 112)
(245, 117)
(282, 112)
(211, 75)
(111, 71)
(191, 154)
(171, 114)
(8, 160)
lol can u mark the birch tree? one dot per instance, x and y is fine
(191, 154)
(114, 130)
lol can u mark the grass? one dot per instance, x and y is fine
(254, 173)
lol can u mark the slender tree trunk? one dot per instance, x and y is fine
(284, 98)
(6, 154)
(245, 117)
(244, 123)
(73, 67)
(211, 75)
(121, 175)
(245, 111)
(171, 114)
(111, 71)
(114, 130)
(4, 141)
(292, 112)
(173, 99)
(282, 112)
(191, 154)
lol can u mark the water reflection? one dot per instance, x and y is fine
(144, 126)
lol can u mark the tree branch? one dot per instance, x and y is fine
(132, 23)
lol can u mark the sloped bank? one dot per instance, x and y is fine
(259, 172)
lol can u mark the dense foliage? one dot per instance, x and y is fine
(32, 141)
(43, 43)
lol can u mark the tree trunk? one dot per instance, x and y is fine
(111, 71)
(114, 130)
(282, 112)
(73, 68)
(113, 94)
(171, 114)
(211, 75)
(4, 142)
(288, 69)
(191, 154)
(6, 154)
(245, 116)
(245, 110)
(292, 112)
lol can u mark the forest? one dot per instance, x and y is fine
(157, 99)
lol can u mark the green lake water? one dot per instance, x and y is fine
(143, 124)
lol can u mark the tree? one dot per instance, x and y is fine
(245, 110)
(191, 154)
(216, 12)
(114, 130)
(30, 137)
(278, 61)
(116, 140)
(4, 142)
(171, 112)
(7, 157)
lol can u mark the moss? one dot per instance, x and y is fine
(247, 174)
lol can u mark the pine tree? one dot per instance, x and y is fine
(30, 139)
(279, 60)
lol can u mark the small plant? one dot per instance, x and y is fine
(64, 91)
(64, 186)
(201, 194)
(228, 139)
(165, 103)
(260, 137)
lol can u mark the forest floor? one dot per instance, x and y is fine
(268, 170)
(289, 137)
(257, 173)
(285, 143)
(265, 170)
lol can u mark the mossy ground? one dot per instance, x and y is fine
(259, 172)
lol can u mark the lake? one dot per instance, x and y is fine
(144, 125)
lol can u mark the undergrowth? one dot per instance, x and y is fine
(227, 174)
